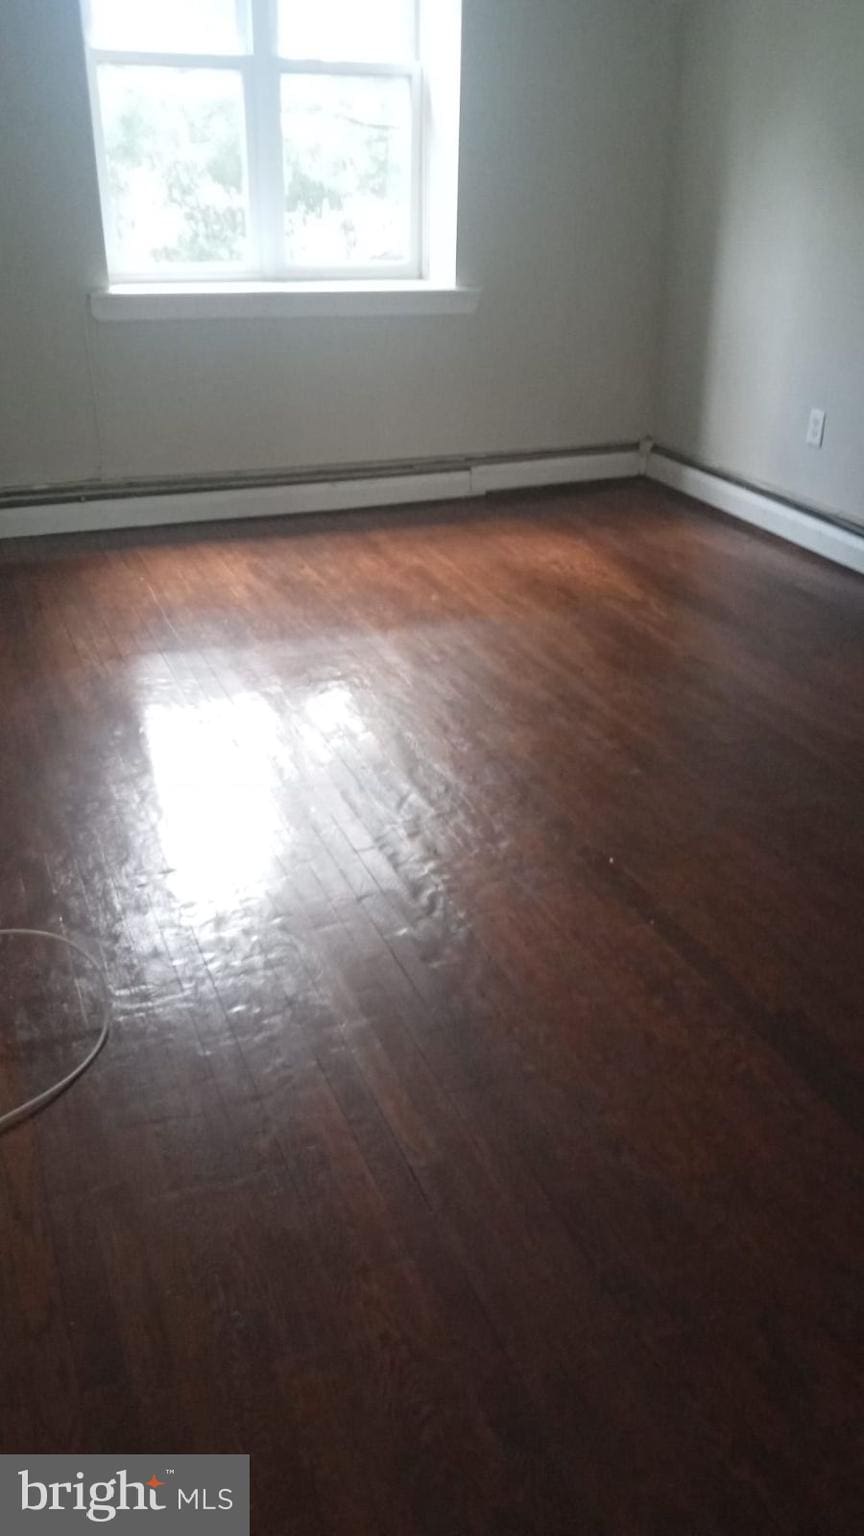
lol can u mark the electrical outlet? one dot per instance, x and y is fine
(816, 429)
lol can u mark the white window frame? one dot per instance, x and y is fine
(261, 70)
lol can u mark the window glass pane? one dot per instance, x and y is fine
(169, 26)
(355, 31)
(347, 149)
(174, 149)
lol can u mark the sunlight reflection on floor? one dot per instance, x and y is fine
(215, 768)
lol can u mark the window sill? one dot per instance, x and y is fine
(274, 301)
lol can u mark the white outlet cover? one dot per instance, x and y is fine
(816, 429)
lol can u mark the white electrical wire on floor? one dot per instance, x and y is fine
(40, 1100)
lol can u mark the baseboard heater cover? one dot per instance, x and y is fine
(94, 509)
(135, 508)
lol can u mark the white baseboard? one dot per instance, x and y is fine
(567, 469)
(313, 495)
(817, 534)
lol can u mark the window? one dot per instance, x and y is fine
(275, 139)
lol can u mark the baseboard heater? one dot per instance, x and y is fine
(143, 504)
(102, 506)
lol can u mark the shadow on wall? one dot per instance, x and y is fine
(738, 273)
(764, 295)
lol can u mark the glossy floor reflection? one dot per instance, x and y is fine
(479, 1143)
(214, 764)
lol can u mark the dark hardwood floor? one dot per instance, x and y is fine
(478, 1145)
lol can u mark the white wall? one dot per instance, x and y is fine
(566, 125)
(765, 274)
